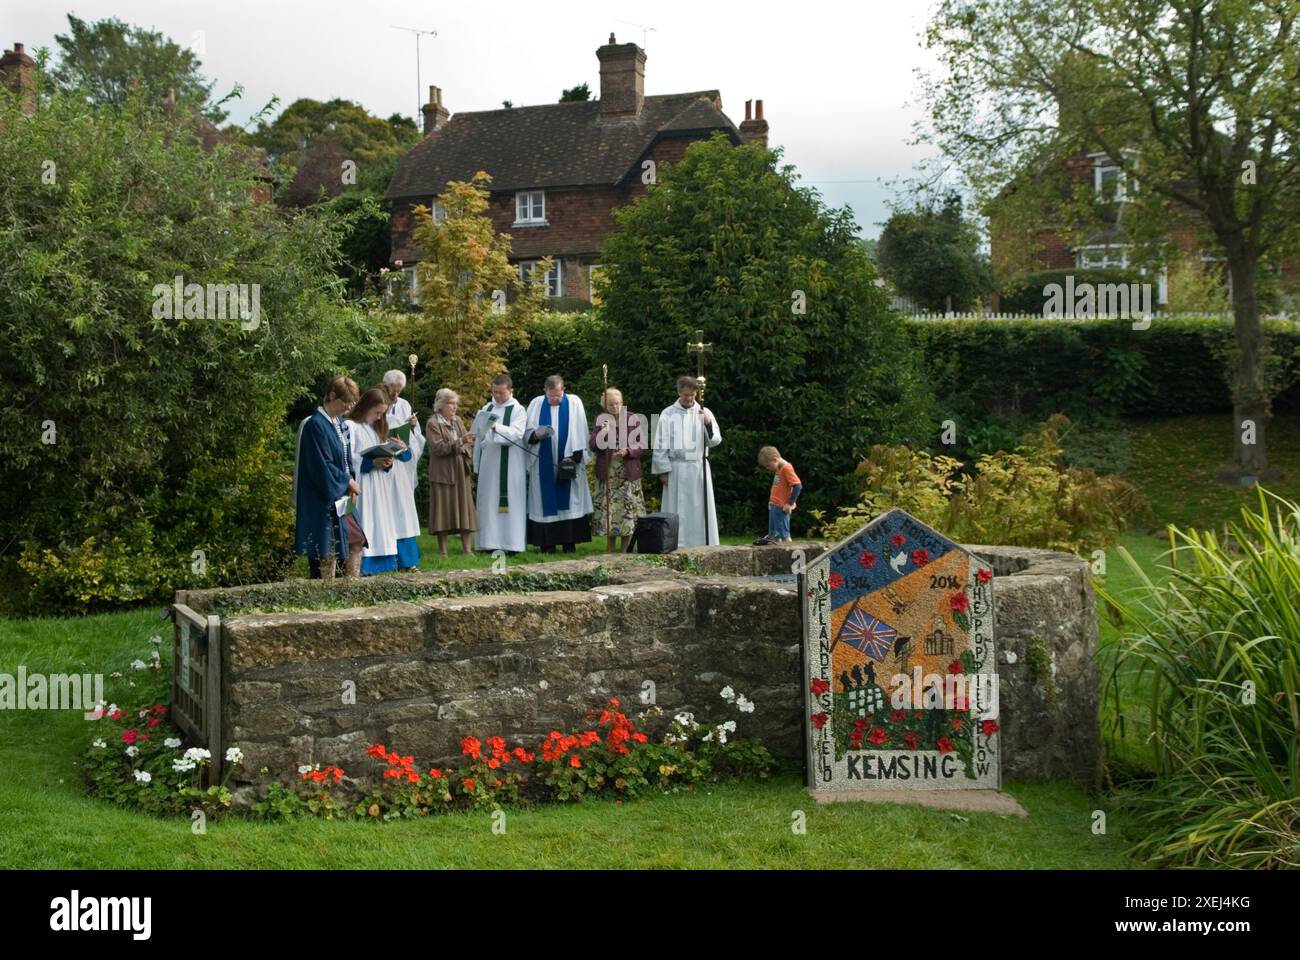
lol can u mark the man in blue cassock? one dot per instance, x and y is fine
(322, 481)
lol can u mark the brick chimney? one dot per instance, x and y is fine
(18, 73)
(435, 114)
(622, 79)
(753, 129)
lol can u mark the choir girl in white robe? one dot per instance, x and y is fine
(376, 506)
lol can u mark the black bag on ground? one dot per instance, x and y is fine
(654, 533)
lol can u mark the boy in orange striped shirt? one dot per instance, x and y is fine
(786, 488)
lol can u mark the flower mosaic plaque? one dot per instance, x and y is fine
(899, 672)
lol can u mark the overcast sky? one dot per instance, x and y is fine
(836, 79)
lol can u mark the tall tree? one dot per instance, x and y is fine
(931, 255)
(473, 305)
(104, 60)
(806, 355)
(1193, 100)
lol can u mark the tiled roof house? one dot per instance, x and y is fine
(559, 170)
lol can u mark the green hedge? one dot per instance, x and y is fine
(1095, 367)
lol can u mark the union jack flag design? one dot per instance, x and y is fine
(873, 637)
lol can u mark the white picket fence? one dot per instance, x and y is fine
(976, 315)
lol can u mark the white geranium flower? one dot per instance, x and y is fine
(142, 714)
(198, 754)
(99, 745)
(234, 755)
(744, 705)
(684, 719)
(144, 776)
(172, 742)
(708, 736)
(722, 735)
(155, 655)
(728, 694)
(132, 751)
(181, 765)
(729, 726)
(137, 665)
(305, 768)
(112, 709)
(116, 674)
(155, 639)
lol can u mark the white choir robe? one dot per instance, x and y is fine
(579, 433)
(376, 509)
(679, 447)
(405, 513)
(494, 441)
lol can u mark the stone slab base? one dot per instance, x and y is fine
(980, 801)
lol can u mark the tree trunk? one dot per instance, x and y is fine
(1250, 400)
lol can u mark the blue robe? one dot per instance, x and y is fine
(321, 479)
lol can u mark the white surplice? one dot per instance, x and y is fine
(579, 489)
(405, 514)
(377, 506)
(495, 441)
(679, 450)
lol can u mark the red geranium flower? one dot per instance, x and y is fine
(835, 580)
(959, 602)
(377, 750)
(613, 701)
(911, 740)
(867, 559)
(877, 735)
(575, 762)
(493, 763)
(984, 574)
(471, 747)
(469, 783)
(436, 773)
(819, 719)
(944, 745)
(990, 727)
(920, 557)
(129, 737)
(819, 686)
(898, 540)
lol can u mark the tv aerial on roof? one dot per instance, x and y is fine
(640, 26)
(419, 96)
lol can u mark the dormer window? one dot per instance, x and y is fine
(1110, 183)
(530, 207)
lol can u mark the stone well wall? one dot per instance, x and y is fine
(430, 669)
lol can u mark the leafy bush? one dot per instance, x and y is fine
(131, 440)
(1025, 294)
(1217, 645)
(1027, 498)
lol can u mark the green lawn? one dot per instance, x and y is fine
(46, 820)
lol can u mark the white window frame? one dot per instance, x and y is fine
(1110, 261)
(437, 210)
(530, 208)
(1101, 165)
(554, 279)
(413, 285)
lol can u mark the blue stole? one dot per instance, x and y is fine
(553, 490)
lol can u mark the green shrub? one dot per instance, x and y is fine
(1028, 498)
(1026, 294)
(1217, 645)
(131, 440)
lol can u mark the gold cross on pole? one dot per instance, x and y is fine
(699, 348)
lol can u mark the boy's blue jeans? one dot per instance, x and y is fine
(778, 523)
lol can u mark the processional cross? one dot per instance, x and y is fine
(699, 348)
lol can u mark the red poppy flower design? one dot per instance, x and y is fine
(819, 719)
(867, 559)
(984, 574)
(898, 540)
(920, 557)
(819, 686)
(911, 740)
(898, 716)
(835, 580)
(959, 602)
(878, 735)
(955, 667)
(944, 745)
(990, 727)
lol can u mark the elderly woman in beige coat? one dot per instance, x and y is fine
(450, 448)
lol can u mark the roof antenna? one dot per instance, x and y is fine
(640, 26)
(419, 90)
